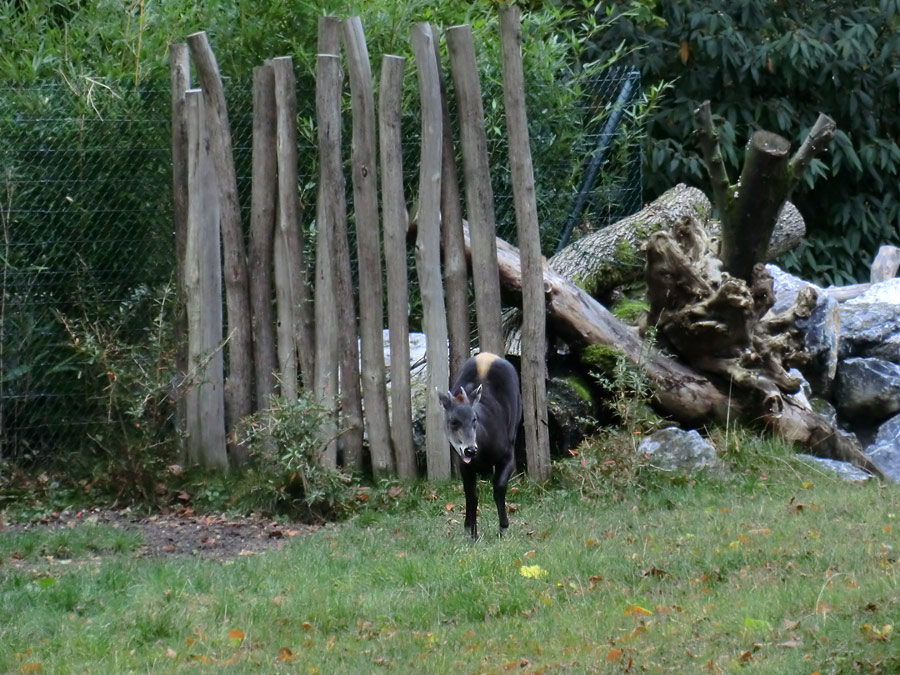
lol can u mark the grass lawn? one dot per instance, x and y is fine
(778, 568)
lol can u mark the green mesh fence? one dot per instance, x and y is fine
(86, 226)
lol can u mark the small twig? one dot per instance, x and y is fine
(712, 153)
(816, 140)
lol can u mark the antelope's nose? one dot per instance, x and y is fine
(470, 451)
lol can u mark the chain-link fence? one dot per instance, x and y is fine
(86, 229)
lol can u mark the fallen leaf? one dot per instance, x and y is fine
(744, 657)
(756, 624)
(235, 636)
(529, 554)
(793, 643)
(613, 655)
(533, 571)
(171, 653)
(634, 610)
(307, 626)
(34, 667)
(449, 506)
(285, 655)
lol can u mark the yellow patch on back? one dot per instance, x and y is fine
(483, 362)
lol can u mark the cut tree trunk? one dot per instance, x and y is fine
(614, 256)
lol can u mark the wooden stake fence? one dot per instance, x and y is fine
(321, 336)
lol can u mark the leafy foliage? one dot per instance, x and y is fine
(128, 384)
(776, 66)
(286, 475)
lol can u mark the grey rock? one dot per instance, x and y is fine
(821, 330)
(823, 407)
(867, 389)
(883, 291)
(870, 329)
(885, 449)
(822, 335)
(680, 451)
(787, 287)
(845, 470)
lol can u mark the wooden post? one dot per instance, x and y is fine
(237, 293)
(534, 339)
(329, 35)
(180, 74)
(351, 422)
(456, 277)
(290, 263)
(365, 200)
(331, 208)
(479, 193)
(396, 222)
(428, 252)
(264, 191)
(205, 424)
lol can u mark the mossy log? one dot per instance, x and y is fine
(614, 256)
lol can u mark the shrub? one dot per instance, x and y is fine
(285, 474)
(127, 375)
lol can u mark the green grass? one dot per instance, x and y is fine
(778, 569)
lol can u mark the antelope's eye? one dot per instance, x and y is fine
(455, 425)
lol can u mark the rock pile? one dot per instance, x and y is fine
(855, 369)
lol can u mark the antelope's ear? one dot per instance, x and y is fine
(476, 395)
(444, 397)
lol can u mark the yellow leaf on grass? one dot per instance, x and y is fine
(533, 571)
(613, 655)
(34, 667)
(285, 655)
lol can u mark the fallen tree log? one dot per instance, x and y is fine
(680, 391)
(613, 256)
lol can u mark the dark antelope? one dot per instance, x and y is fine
(482, 413)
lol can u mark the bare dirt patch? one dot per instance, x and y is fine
(183, 532)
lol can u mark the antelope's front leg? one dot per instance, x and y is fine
(502, 475)
(470, 486)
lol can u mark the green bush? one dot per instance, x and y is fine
(776, 66)
(127, 376)
(286, 474)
